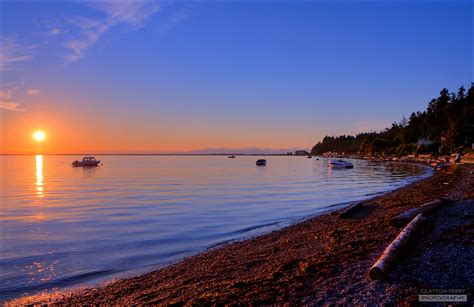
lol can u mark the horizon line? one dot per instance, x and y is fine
(144, 154)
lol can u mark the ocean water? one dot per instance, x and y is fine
(65, 227)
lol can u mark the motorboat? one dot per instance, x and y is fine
(231, 157)
(340, 164)
(261, 162)
(86, 161)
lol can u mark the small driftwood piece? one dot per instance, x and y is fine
(425, 209)
(351, 209)
(379, 269)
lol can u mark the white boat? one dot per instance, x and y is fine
(86, 161)
(340, 164)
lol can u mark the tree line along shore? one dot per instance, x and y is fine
(444, 128)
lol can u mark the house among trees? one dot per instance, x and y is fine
(424, 142)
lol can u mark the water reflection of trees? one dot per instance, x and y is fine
(404, 169)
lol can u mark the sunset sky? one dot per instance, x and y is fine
(178, 75)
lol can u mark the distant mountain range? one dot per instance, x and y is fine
(241, 151)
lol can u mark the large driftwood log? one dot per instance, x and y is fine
(404, 217)
(379, 269)
(351, 209)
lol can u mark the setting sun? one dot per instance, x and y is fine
(39, 136)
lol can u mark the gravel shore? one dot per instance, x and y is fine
(319, 261)
(442, 256)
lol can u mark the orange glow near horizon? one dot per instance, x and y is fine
(69, 131)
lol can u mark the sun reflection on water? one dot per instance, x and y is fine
(39, 175)
(62, 223)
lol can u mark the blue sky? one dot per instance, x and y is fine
(184, 75)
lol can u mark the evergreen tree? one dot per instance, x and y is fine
(448, 123)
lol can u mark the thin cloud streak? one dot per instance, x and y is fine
(55, 32)
(132, 13)
(13, 52)
(32, 92)
(11, 106)
(6, 95)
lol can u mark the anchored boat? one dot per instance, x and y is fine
(261, 162)
(340, 164)
(86, 161)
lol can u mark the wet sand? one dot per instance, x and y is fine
(322, 260)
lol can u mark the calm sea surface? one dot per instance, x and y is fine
(64, 226)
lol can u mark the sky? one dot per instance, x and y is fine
(174, 76)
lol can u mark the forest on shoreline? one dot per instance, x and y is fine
(446, 126)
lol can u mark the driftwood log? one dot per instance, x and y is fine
(351, 209)
(379, 269)
(403, 218)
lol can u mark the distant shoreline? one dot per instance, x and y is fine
(320, 260)
(150, 154)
